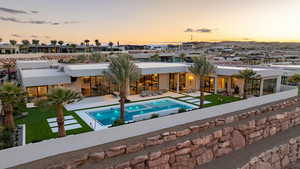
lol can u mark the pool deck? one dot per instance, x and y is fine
(99, 101)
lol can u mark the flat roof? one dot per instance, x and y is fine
(77, 70)
(43, 77)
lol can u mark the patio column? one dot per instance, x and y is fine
(278, 84)
(216, 85)
(177, 86)
(261, 89)
(229, 85)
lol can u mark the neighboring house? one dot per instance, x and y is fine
(37, 77)
(6, 48)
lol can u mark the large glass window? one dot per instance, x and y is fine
(173, 79)
(96, 86)
(209, 84)
(269, 86)
(37, 91)
(253, 87)
(146, 82)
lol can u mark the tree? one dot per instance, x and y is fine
(10, 95)
(295, 79)
(155, 58)
(97, 58)
(73, 46)
(35, 43)
(13, 42)
(53, 43)
(87, 45)
(110, 44)
(122, 71)
(58, 97)
(247, 75)
(60, 44)
(25, 45)
(97, 43)
(201, 68)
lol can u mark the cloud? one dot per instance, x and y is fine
(12, 11)
(35, 12)
(37, 22)
(16, 35)
(204, 30)
(189, 30)
(34, 36)
(201, 30)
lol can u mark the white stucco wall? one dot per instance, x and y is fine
(164, 81)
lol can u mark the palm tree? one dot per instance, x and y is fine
(87, 45)
(201, 68)
(13, 43)
(60, 44)
(53, 43)
(35, 43)
(155, 58)
(111, 45)
(247, 75)
(8, 65)
(73, 46)
(58, 97)
(122, 71)
(97, 43)
(97, 58)
(10, 95)
(25, 45)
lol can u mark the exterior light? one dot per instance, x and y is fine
(191, 77)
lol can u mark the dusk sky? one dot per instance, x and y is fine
(150, 21)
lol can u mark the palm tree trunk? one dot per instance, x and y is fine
(245, 89)
(9, 117)
(8, 72)
(60, 120)
(201, 92)
(122, 101)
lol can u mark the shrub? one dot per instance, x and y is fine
(153, 116)
(181, 110)
(118, 123)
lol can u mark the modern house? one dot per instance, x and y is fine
(37, 77)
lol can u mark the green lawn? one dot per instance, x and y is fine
(37, 128)
(216, 99)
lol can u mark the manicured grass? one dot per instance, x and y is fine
(37, 128)
(216, 99)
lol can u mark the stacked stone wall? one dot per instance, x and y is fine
(192, 152)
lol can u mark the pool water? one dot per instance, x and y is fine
(107, 116)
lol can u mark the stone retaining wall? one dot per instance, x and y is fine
(200, 150)
(279, 157)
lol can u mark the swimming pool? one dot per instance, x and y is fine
(133, 111)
